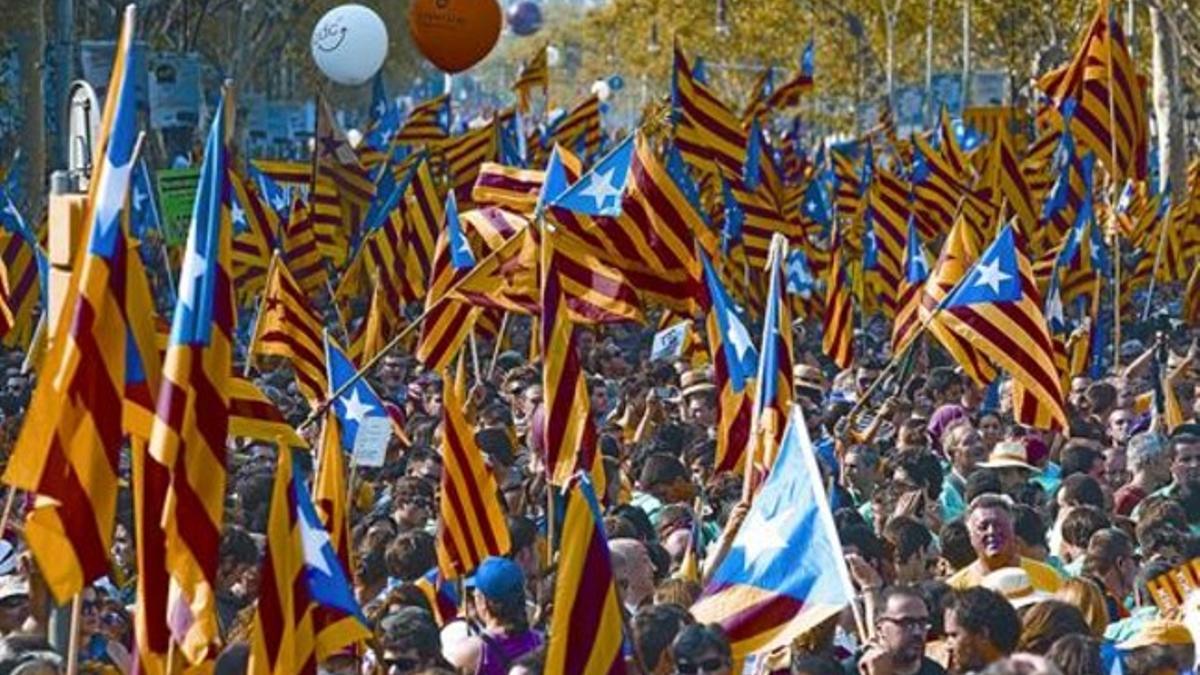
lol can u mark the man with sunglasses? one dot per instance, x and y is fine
(409, 642)
(898, 645)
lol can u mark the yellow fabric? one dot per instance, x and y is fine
(1043, 577)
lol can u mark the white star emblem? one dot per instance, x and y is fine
(602, 187)
(763, 536)
(11, 209)
(138, 198)
(1054, 307)
(315, 539)
(239, 215)
(461, 247)
(990, 274)
(111, 195)
(380, 109)
(738, 337)
(194, 267)
(921, 265)
(810, 206)
(356, 408)
(280, 201)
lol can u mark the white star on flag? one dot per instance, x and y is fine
(111, 195)
(280, 202)
(990, 274)
(356, 408)
(194, 267)
(314, 539)
(602, 187)
(738, 337)
(138, 198)
(763, 535)
(239, 215)
(1054, 307)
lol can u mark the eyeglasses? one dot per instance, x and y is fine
(705, 666)
(911, 624)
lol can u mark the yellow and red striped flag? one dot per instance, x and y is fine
(254, 416)
(288, 326)
(471, 524)
(998, 310)
(301, 253)
(706, 131)
(534, 73)
(586, 626)
(331, 489)
(22, 257)
(68, 451)
(579, 129)
(837, 341)
(301, 580)
(773, 392)
(1101, 93)
(192, 421)
(427, 122)
(466, 154)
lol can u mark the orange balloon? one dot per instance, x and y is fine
(455, 34)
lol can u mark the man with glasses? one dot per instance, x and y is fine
(898, 645)
(409, 642)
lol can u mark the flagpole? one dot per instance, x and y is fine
(499, 343)
(1158, 252)
(73, 636)
(8, 506)
(337, 310)
(1112, 189)
(475, 356)
(395, 341)
(257, 317)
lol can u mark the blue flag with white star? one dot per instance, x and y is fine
(556, 181)
(785, 571)
(358, 402)
(598, 193)
(800, 280)
(741, 357)
(994, 278)
(279, 197)
(461, 256)
(916, 265)
(144, 218)
(735, 218)
(327, 582)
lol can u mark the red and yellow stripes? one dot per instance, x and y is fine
(888, 197)
(580, 128)
(301, 253)
(422, 217)
(1100, 78)
(837, 341)
(534, 73)
(19, 257)
(959, 252)
(707, 131)
(254, 416)
(288, 326)
(427, 122)
(252, 248)
(465, 155)
(331, 489)
(1014, 335)
(586, 626)
(68, 451)
(471, 525)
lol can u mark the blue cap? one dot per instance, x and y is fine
(498, 579)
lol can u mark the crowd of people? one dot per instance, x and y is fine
(975, 545)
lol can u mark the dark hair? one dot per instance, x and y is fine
(940, 379)
(695, 639)
(654, 628)
(522, 532)
(985, 612)
(1076, 654)
(1152, 659)
(1049, 620)
(638, 518)
(410, 555)
(1162, 507)
(410, 628)
(619, 527)
(1156, 535)
(1028, 525)
(863, 538)
(1104, 549)
(956, 544)
(924, 468)
(1077, 458)
(1189, 499)
(1081, 489)
(847, 517)
(983, 482)
(238, 546)
(1101, 395)
(1081, 522)
(901, 591)
(816, 665)
(907, 536)
(937, 594)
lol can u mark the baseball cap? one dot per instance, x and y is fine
(498, 579)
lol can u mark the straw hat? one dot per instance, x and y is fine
(1162, 632)
(1014, 584)
(1009, 454)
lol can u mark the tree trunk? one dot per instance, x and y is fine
(1168, 112)
(25, 28)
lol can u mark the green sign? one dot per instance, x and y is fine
(176, 195)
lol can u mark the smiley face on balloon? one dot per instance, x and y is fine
(349, 44)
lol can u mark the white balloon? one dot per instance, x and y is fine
(354, 136)
(553, 56)
(601, 89)
(349, 44)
